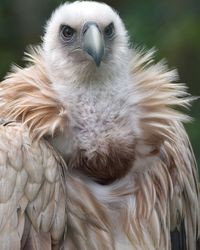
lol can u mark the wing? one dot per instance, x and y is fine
(177, 187)
(32, 197)
(185, 203)
(41, 205)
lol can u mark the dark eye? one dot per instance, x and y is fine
(67, 32)
(109, 30)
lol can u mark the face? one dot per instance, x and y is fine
(91, 41)
(83, 37)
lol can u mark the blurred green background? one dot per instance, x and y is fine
(172, 26)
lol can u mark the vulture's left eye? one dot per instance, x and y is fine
(67, 33)
(109, 30)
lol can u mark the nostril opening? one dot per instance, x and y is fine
(85, 29)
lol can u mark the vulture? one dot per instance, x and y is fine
(93, 152)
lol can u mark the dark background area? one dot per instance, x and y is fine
(171, 26)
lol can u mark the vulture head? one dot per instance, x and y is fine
(85, 42)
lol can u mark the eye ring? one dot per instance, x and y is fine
(67, 33)
(109, 30)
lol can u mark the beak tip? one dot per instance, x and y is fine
(97, 62)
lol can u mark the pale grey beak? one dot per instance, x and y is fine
(93, 42)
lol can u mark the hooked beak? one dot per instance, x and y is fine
(93, 42)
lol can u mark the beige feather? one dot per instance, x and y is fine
(37, 107)
(31, 197)
(151, 201)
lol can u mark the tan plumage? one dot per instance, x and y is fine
(45, 204)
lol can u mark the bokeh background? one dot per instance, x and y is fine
(172, 26)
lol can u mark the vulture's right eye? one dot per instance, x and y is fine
(67, 33)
